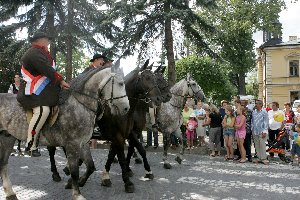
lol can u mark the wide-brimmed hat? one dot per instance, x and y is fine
(109, 59)
(38, 35)
(96, 56)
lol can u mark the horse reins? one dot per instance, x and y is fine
(146, 99)
(189, 86)
(99, 101)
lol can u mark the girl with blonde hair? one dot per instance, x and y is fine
(228, 131)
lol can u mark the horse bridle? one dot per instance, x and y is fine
(189, 86)
(103, 102)
(146, 99)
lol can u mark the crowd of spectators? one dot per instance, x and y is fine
(246, 132)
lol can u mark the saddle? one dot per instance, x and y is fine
(51, 118)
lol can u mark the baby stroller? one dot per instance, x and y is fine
(278, 146)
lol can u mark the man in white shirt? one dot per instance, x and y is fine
(274, 126)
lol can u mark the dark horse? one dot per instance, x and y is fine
(139, 123)
(141, 85)
(74, 126)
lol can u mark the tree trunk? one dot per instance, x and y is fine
(69, 41)
(51, 30)
(169, 46)
(242, 83)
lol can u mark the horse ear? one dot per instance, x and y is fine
(188, 76)
(116, 66)
(158, 69)
(150, 66)
(145, 65)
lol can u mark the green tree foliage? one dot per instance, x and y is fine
(235, 22)
(211, 76)
(252, 84)
(143, 21)
(76, 28)
(9, 60)
(80, 62)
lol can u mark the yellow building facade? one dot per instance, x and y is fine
(278, 71)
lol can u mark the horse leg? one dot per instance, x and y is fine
(55, 175)
(105, 174)
(142, 152)
(66, 169)
(130, 152)
(19, 147)
(129, 186)
(179, 158)
(86, 157)
(6, 146)
(73, 158)
(166, 141)
(137, 159)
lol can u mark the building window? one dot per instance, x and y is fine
(294, 67)
(294, 95)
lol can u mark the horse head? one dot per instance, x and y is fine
(162, 84)
(192, 89)
(148, 84)
(105, 88)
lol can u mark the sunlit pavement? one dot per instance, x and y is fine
(198, 177)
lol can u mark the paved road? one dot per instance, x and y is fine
(199, 177)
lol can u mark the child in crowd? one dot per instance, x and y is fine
(228, 131)
(240, 133)
(296, 145)
(191, 126)
(297, 115)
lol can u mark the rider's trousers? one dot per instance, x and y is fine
(40, 115)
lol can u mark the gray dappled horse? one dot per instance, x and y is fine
(169, 116)
(135, 81)
(74, 125)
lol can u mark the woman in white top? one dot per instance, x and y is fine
(14, 87)
(200, 116)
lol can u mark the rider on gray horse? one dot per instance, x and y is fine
(40, 89)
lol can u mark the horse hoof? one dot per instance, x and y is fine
(56, 177)
(167, 166)
(81, 181)
(67, 171)
(129, 188)
(149, 176)
(68, 185)
(78, 197)
(106, 183)
(115, 160)
(178, 159)
(130, 173)
(138, 161)
(12, 197)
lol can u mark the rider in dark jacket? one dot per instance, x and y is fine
(40, 87)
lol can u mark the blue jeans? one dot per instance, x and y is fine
(149, 137)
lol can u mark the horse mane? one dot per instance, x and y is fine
(177, 86)
(131, 75)
(77, 83)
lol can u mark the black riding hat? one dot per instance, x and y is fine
(38, 35)
(109, 59)
(96, 56)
